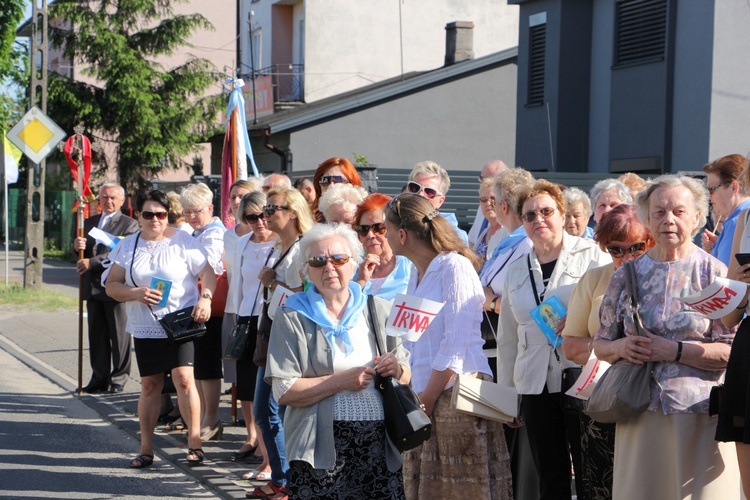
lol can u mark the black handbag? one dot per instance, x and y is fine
(406, 422)
(239, 340)
(569, 377)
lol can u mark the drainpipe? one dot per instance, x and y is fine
(285, 156)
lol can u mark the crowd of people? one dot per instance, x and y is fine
(535, 289)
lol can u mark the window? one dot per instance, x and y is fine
(640, 31)
(537, 59)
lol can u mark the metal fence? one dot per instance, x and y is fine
(59, 220)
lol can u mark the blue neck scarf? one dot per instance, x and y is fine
(510, 241)
(310, 304)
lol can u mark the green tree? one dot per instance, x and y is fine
(155, 115)
(12, 63)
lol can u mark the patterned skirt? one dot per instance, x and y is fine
(466, 457)
(360, 470)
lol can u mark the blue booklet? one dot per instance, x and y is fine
(547, 315)
(164, 286)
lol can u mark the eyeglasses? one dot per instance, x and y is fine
(485, 199)
(150, 215)
(634, 250)
(364, 229)
(269, 210)
(714, 188)
(415, 187)
(532, 215)
(333, 179)
(191, 213)
(337, 260)
(253, 218)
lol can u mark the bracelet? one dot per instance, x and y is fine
(679, 352)
(270, 285)
(745, 306)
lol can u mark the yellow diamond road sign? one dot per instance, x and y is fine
(36, 135)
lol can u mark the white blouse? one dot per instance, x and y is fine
(453, 340)
(250, 258)
(178, 258)
(211, 237)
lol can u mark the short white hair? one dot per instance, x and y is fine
(431, 169)
(347, 195)
(113, 185)
(574, 196)
(623, 192)
(696, 188)
(322, 232)
(196, 195)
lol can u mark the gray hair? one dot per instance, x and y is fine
(696, 188)
(276, 181)
(254, 200)
(341, 194)
(196, 195)
(574, 196)
(113, 185)
(322, 232)
(623, 192)
(508, 183)
(431, 169)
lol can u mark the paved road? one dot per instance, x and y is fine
(55, 444)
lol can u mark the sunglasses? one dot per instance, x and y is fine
(531, 215)
(333, 179)
(634, 250)
(253, 218)
(364, 229)
(415, 187)
(150, 215)
(269, 210)
(337, 260)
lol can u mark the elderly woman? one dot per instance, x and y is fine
(728, 189)
(198, 208)
(287, 214)
(332, 171)
(163, 252)
(381, 273)
(321, 361)
(621, 234)
(634, 182)
(339, 202)
(527, 360)
(466, 457)
(607, 194)
(578, 214)
(689, 352)
(490, 237)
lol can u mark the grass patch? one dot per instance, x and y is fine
(16, 296)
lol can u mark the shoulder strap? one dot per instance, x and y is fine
(631, 282)
(374, 323)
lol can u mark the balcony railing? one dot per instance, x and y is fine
(288, 81)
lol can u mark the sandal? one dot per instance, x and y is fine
(178, 425)
(257, 475)
(141, 461)
(277, 492)
(198, 452)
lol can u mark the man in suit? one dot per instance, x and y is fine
(109, 343)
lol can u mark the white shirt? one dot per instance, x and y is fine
(454, 339)
(212, 239)
(289, 270)
(494, 277)
(250, 259)
(104, 220)
(178, 258)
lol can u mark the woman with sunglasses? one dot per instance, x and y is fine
(159, 251)
(288, 215)
(530, 360)
(197, 207)
(466, 457)
(332, 171)
(621, 234)
(381, 273)
(321, 362)
(669, 451)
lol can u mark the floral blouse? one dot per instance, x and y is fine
(677, 387)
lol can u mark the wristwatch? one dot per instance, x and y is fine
(493, 304)
(207, 295)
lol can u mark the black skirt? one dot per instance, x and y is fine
(733, 405)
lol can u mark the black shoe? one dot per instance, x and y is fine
(115, 388)
(93, 388)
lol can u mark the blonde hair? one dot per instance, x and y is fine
(175, 217)
(431, 169)
(415, 214)
(196, 195)
(297, 204)
(540, 187)
(508, 183)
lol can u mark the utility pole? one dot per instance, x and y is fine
(34, 241)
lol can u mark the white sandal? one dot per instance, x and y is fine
(257, 475)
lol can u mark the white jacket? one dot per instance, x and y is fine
(525, 358)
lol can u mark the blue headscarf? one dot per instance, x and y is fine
(509, 242)
(310, 304)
